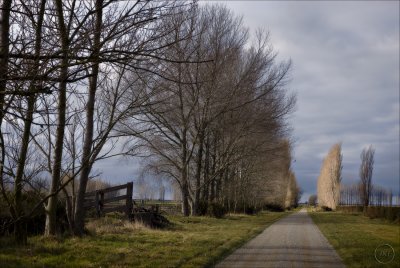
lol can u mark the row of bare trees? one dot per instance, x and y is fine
(217, 127)
(179, 84)
(352, 195)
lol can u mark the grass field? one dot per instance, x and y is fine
(356, 238)
(189, 242)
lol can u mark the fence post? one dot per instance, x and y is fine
(129, 191)
(101, 204)
(97, 204)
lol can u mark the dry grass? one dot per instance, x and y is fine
(112, 242)
(110, 225)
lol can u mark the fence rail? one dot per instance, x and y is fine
(100, 202)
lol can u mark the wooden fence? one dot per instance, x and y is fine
(98, 199)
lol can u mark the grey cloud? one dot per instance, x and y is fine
(346, 76)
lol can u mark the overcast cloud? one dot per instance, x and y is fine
(346, 76)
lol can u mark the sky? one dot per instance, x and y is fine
(345, 74)
(346, 77)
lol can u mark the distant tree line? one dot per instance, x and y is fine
(379, 196)
(176, 83)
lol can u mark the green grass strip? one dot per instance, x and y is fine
(357, 238)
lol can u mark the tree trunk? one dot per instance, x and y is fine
(198, 176)
(69, 210)
(212, 191)
(4, 56)
(184, 184)
(88, 141)
(19, 225)
(213, 170)
(4, 51)
(185, 199)
(50, 228)
(20, 228)
(20, 232)
(206, 188)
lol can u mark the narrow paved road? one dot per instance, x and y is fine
(294, 241)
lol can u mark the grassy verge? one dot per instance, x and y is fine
(356, 237)
(190, 242)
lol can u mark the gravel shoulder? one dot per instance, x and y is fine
(294, 241)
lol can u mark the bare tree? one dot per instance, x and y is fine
(88, 139)
(28, 117)
(366, 168)
(4, 62)
(61, 111)
(335, 172)
(330, 178)
(123, 43)
(18, 95)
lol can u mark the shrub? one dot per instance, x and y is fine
(389, 213)
(202, 208)
(350, 209)
(35, 224)
(273, 207)
(325, 208)
(216, 210)
(251, 210)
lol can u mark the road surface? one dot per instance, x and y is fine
(294, 241)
